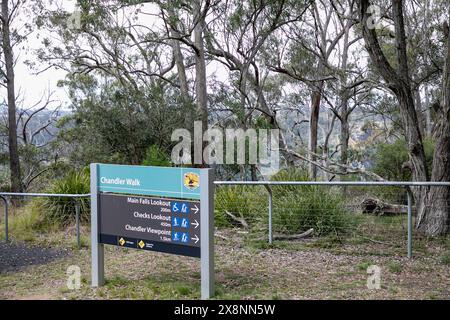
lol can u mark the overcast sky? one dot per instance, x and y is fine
(30, 84)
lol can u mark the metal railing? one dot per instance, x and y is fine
(406, 185)
(5, 195)
(267, 185)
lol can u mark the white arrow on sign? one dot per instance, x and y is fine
(196, 224)
(195, 209)
(195, 238)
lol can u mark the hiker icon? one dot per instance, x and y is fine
(175, 222)
(176, 236)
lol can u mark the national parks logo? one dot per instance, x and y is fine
(191, 180)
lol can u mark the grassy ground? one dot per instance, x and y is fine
(327, 268)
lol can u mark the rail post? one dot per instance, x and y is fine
(270, 208)
(77, 220)
(5, 200)
(408, 191)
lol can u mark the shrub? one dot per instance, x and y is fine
(310, 207)
(156, 157)
(27, 220)
(299, 208)
(295, 208)
(390, 157)
(61, 210)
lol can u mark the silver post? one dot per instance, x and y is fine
(270, 215)
(409, 224)
(77, 217)
(6, 218)
(97, 249)
(207, 233)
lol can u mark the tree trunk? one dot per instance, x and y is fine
(313, 128)
(399, 83)
(344, 97)
(200, 68)
(429, 128)
(344, 135)
(432, 203)
(434, 217)
(181, 71)
(14, 162)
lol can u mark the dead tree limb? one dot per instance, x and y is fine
(237, 219)
(293, 236)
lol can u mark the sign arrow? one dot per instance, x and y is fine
(196, 224)
(195, 238)
(195, 208)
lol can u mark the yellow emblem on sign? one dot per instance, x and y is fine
(141, 244)
(121, 241)
(191, 180)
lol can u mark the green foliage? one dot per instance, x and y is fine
(445, 258)
(242, 201)
(156, 157)
(112, 123)
(61, 210)
(27, 221)
(299, 208)
(4, 178)
(390, 158)
(295, 208)
(395, 267)
(363, 266)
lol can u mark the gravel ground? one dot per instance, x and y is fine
(16, 256)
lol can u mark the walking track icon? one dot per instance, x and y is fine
(176, 236)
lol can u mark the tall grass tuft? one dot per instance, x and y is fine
(61, 210)
(247, 202)
(296, 208)
(301, 207)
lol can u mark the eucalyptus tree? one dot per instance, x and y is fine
(317, 59)
(115, 47)
(432, 203)
(10, 39)
(238, 36)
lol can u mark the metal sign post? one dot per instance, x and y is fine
(207, 233)
(168, 210)
(97, 249)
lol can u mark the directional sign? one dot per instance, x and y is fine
(160, 209)
(148, 223)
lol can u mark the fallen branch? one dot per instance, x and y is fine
(378, 207)
(379, 242)
(293, 236)
(237, 219)
(220, 236)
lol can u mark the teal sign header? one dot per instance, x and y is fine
(154, 181)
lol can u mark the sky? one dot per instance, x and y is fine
(32, 85)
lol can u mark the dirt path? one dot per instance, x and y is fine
(15, 256)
